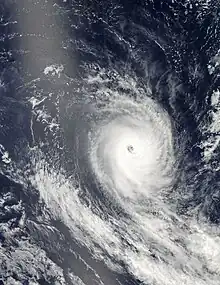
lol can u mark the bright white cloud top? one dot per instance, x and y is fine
(131, 149)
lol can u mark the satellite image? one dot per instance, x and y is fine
(109, 142)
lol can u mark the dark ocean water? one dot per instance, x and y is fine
(62, 62)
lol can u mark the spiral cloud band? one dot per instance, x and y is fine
(131, 149)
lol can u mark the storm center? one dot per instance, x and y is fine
(130, 148)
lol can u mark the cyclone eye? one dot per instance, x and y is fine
(130, 148)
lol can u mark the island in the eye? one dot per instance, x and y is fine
(130, 148)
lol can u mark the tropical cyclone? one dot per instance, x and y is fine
(131, 147)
